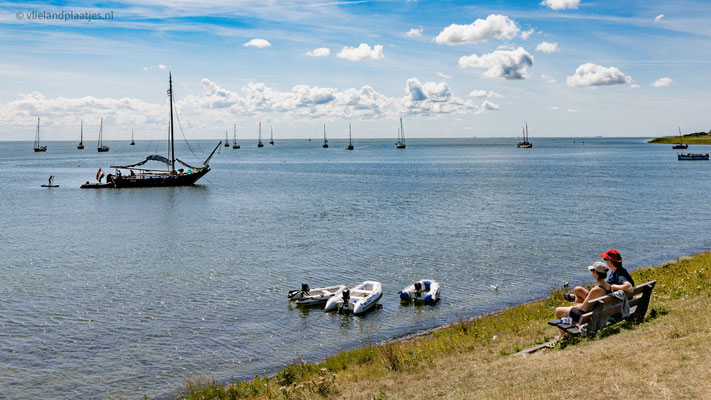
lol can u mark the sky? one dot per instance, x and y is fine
(447, 68)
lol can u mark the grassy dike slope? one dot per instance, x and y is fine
(692, 138)
(667, 356)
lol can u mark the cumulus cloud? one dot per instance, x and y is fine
(547, 47)
(527, 34)
(508, 64)
(445, 76)
(362, 52)
(590, 74)
(436, 98)
(662, 82)
(634, 86)
(487, 105)
(560, 4)
(260, 43)
(320, 52)
(414, 32)
(494, 26)
(484, 93)
(658, 18)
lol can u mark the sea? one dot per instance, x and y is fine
(125, 293)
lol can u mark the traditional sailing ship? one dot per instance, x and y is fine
(325, 141)
(37, 146)
(525, 144)
(80, 146)
(400, 144)
(101, 147)
(133, 176)
(259, 143)
(681, 144)
(350, 138)
(132, 142)
(234, 144)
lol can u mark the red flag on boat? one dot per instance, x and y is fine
(98, 174)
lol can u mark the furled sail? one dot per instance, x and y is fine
(152, 157)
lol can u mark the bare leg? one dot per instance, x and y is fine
(580, 294)
(561, 312)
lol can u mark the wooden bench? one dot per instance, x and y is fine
(602, 309)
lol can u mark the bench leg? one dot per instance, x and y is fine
(643, 304)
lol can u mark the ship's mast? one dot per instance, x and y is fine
(172, 143)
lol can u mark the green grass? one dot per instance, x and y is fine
(490, 337)
(692, 138)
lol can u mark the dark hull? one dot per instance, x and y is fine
(158, 181)
(693, 157)
(103, 149)
(40, 149)
(680, 146)
(80, 146)
(524, 145)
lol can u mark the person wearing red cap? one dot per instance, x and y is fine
(618, 277)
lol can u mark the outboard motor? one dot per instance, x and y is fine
(418, 289)
(305, 288)
(346, 295)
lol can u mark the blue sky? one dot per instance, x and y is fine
(450, 69)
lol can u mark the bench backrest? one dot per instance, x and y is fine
(601, 309)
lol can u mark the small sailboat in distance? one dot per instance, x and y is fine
(350, 138)
(525, 144)
(259, 143)
(234, 144)
(80, 146)
(681, 144)
(227, 140)
(400, 144)
(37, 146)
(101, 147)
(325, 141)
(271, 135)
(132, 142)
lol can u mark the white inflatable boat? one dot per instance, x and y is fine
(307, 296)
(358, 299)
(425, 290)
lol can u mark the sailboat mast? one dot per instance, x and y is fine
(324, 133)
(101, 129)
(402, 132)
(81, 132)
(526, 132)
(260, 131)
(235, 126)
(681, 140)
(38, 139)
(350, 135)
(172, 143)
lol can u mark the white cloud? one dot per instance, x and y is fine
(662, 82)
(527, 34)
(320, 52)
(260, 43)
(658, 18)
(572, 110)
(414, 32)
(560, 4)
(362, 52)
(445, 76)
(487, 105)
(494, 26)
(484, 93)
(555, 107)
(634, 86)
(547, 47)
(159, 66)
(433, 98)
(508, 64)
(590, 74)
(547, 78)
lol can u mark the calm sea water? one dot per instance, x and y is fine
(124, 293)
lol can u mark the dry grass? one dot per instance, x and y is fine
(667, 356)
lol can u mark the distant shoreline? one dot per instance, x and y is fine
(691, 138)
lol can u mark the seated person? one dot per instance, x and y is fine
(618, 278)
(599, 272)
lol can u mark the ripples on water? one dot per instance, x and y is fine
(121, 293)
